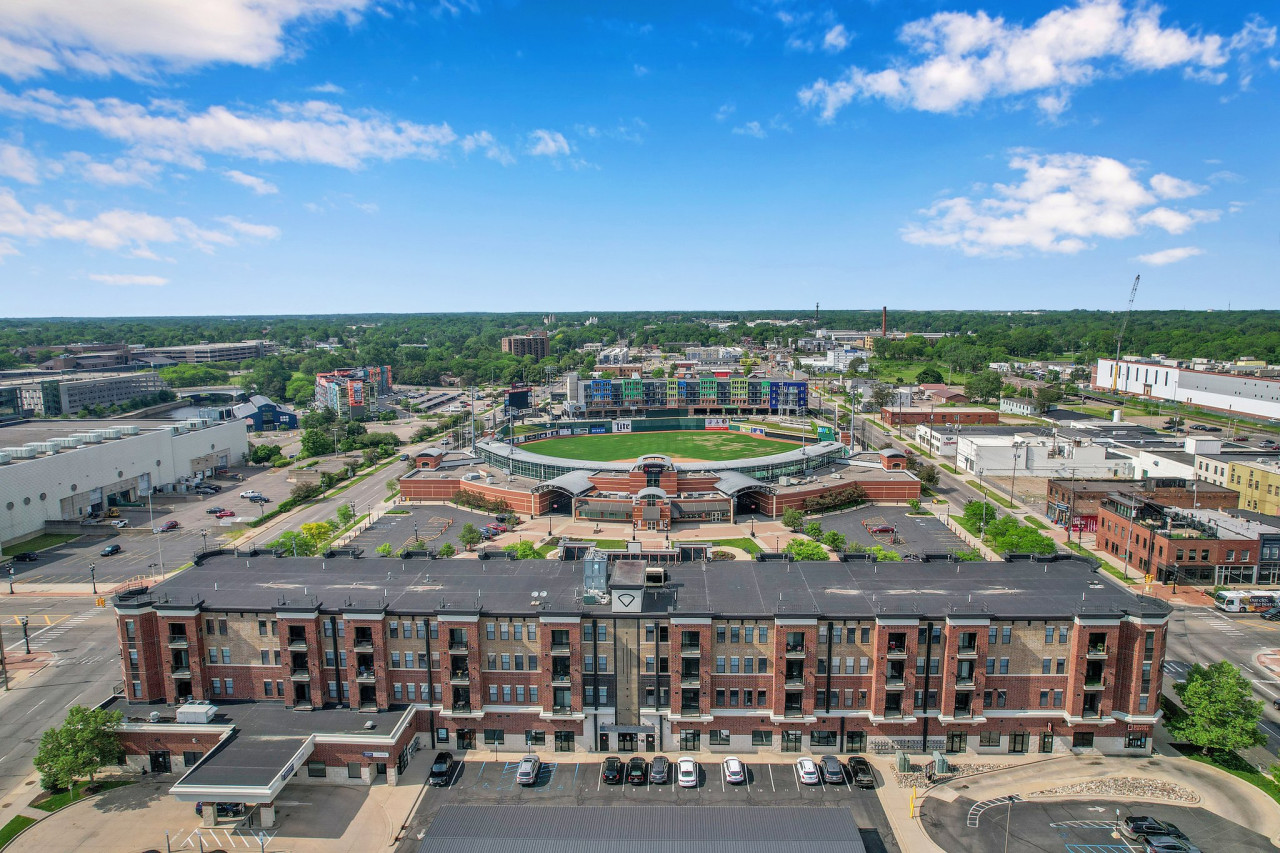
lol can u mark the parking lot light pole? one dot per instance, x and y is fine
(26, 640)
(11, 580)
(204, 541)
(93, 578)
(1008, 816)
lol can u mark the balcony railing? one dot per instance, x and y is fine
(962, 714)
(964, 681)
(690, 710)
(793, 681)
(299, 673)
(560, 648)
(1096, 650)
(894, 682)
(561, 678)
(178, 641)
(363, 645)
(967, 649)
(792, 711)
(896, 651)
(182, 672)
(1094, 683)
(691, 679)
(297, 644)
(562, 709)
(460, 676)
(690, 649)
(795, 650)
(458, 645)
(366, 676)
(1091, 713)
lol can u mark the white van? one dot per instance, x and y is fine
(1232, 601)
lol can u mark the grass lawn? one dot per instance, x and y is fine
(1036, 523)
(44, 540)
(712, 446)
(552, 544)
(13, 827)
(888, 369)
(743, 544)
(1000, 499)
(606, 544)
(950, 469)
(56, 801)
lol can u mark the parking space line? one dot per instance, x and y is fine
(771, 785)
(796, 771)
(722, 778)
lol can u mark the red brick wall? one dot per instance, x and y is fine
(894, 417)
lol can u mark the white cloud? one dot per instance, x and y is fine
(751, 128)
(1063, 203)
(836, 39)
(139, 37)
(19, 164)
(130, 280)
(328, 89)
(310, 132)
(640, 70)
(962, 59)
(725, 111)
(128, 231)
(454, 8)
(1167, 186)
(484, 141)
(1170, 256)
(250, 229)
(548, 143)
(121, 172)
(253, 182)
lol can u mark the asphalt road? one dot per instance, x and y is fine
(83, 669)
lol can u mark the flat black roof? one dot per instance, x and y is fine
(732, 588)
(625, 829)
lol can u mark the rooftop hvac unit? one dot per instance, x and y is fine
(87, 437)
(43, 446)
(110, 433)
(20, 452)
(67, 442)
(178, 429)
(197, 423)
(129, 430)
(196, 712)
(5, 458)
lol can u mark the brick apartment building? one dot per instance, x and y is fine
(1190, 546)
(535, 344)
(599, 657)
(1081, 499)
(352, 391)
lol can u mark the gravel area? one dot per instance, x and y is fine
(918, 778)
(1124, 786)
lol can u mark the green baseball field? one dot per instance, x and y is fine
(684, 446)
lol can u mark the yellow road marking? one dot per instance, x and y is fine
(49, 619)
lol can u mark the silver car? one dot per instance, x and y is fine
(527, 772)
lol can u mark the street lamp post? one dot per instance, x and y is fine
(11, 580)
(26, 639)
(204, 541)
(1013, 483)
(93, 578)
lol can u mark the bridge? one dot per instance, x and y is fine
(208, 390)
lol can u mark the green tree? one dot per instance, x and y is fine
(806, 549)
(318, 420)
(983, 386)
(928, 475)
(813, 530)
(294, 543)
(316, 442)
(267, 376)
(82, 745)
(929, 376)
(469, 536)
(881, 555)
(524, 550)
(447, 550)
(345, 514)
(384, 549)
(305, 491)
(264, 454)
(792, 518)
(1046, 396)
(979, 512)
(659, 373)
(1222, 715)
(834, 540)
(300, 388)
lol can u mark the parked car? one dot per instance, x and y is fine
(441, 769)
(637, 770)
(882, 528)
(611, 771)
(260, 499)
(501, 528)
(109, 550)
(169, 525)
(1168, 844)
(735, 772)
(211, 486)
(404, 457)
(1139, 826)
(26, 557)
(687, 772)
(808, 771)
(1200, 427)
(660, 770)
(1267, 444)
(223, 809)
(214, 510)
(203, 492)
(860, 771)
(120, 523)
(226, 513)
(1271, 615)
(832, 769)
(527, 772)
(248, 493)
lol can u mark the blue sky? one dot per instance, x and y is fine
(268, 156)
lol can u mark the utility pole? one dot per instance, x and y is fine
(4, 669)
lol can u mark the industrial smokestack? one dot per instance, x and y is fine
(884, 322)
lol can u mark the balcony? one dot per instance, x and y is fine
(298, 644)
(1095, 682)
(458, 645)
(692, 679)
(964, 681)
(182, 672)
(795, 650)
(460, 676)
(460, 707)
(896, 651)
(561, 678)
(894, 683)
(562, 709)
(961, 714)
(792, 680)
(178, 641)
(1096, 651)
(560, 648)
(1091, 713)
(368, 707)
(967, 649)
(791, 711)
(366, 676)
(361, 645)
(690, 650)
(690, 711)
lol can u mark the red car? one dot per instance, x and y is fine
(501, 528)
(226, 513)
(882, 528)
(169, 525)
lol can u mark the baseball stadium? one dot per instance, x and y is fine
(653, 474)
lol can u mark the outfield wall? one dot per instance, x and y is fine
(564, 429)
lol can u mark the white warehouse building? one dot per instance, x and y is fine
(1164, 379)
(65, 470)
(1038, 456)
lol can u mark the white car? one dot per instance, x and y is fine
(527, 772)
(735, 772)
(687, 772)
(120, 523)
(808, 771)
(249, 493)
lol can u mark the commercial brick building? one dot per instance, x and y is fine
(934, 415)
(1081, 499)
(594, 656)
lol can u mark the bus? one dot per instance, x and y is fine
(1232, 600)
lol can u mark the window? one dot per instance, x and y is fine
(1057, 698)
(1002, 698)
(328, 629)
(519, 692)
(1006, 635)
(748, 634)
(991, 666)
(395, 660)
(266, 688)
(863, 665)
(733, 664)
(690, 741)
(602, 663)
(1135, 740)
(222, 627)
(720, 629)
(506, 694)
(333, 690)
(1062, 666)
(735, 634)
(397, 691)
(266, 657)
(217, 686)
(517, 631)
(1046, 666)
(226, 655)
(588, 663)
(762, 698)
(410, 690)
(719, 663)
(353, 770)
(1044, 698)
(761, 738)
(733, 698)
(493, 736)
(490, 633)
(408, 660)
(836, 632)
(533, 631)
(1062, 634)
(532, 660)
(533, 693)
(823, 738)
(492, 658)
(762, 665)
(991, 635)
(262, 627)
(719, 737)
(764, 633)
(393, 630)
(1048, 634)
(493, 693)
(535, 737)
(989, 738)
(190, 757)
(434, 630)
(588, 695)
(602, 632)
(504, 631)
(720, 697)
(506, 662)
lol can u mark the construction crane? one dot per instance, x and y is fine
(1115, 373)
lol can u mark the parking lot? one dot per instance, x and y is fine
(913, 534)
(436, 525)
(580, 784)
(141, 551)
(1076, 826)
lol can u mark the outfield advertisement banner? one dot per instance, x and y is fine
(757, 430)
(622, 426)
(598, 430)
(717, 424)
